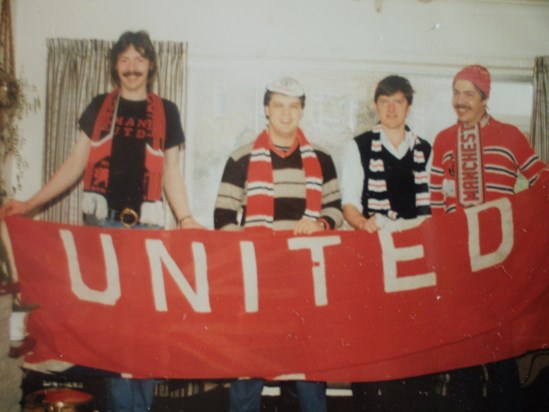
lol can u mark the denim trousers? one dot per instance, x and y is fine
(246, 395)
(130, 395)
(126, 395)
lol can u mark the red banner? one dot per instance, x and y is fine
(467, 288)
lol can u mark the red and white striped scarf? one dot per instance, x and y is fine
(378, 199)
(260, 190)
(96, 174)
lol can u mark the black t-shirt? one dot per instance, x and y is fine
(127, 160)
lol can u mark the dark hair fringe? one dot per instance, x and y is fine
(394, 84)
(141, 41)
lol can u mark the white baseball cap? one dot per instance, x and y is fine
(286, 86)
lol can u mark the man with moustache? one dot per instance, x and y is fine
(479, 158)
(128, 152)
(474, 161)
(279, 182)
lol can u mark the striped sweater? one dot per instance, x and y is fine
(505, 152)
(289, 190)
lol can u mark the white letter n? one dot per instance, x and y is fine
(158, 254)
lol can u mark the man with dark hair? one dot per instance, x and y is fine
(139, 41)
(384, 175)
(477, 160)
(279, 182)
(384, 181)
(128, 153)
(394, 84)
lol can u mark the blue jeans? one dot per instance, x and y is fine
(246, 395)
(130, 395)
(126, 395)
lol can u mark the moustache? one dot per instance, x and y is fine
(130, 73)
(462, 106)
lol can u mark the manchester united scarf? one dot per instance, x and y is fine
(260, 195)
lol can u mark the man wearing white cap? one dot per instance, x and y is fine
(476, 160)
(279, 182)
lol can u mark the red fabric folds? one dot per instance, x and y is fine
(460, 289)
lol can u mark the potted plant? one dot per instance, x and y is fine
(14, 104)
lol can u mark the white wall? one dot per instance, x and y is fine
(337, 48)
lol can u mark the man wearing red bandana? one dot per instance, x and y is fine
(128, 154)
(279, 182)
(476, 160)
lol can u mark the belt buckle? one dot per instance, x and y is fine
(129, 217)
